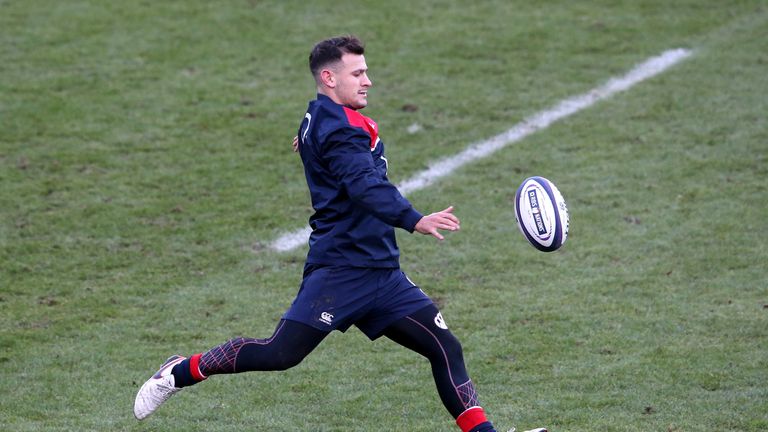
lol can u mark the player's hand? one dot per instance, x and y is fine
(295, 144)
(442, 220)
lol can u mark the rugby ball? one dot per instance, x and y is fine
(541, 214)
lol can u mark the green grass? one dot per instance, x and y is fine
(145, 166)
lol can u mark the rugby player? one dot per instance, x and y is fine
(352, 273)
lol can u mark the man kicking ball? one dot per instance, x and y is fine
(352, 273)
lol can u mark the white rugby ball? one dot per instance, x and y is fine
(541, 214)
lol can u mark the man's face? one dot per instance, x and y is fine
(352, 83)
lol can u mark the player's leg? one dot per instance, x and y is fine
(288, 346)
(426, 333)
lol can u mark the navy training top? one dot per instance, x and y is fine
(356, 207)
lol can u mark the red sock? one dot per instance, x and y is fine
(471, 418)
(194, 367)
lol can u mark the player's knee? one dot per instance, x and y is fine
(452, 347)
(285, 361)
(447, 348)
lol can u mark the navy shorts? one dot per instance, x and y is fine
(334, 298)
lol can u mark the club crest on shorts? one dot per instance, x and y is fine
(440, 322)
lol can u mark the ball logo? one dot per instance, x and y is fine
(536, 212)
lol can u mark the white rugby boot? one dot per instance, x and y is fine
(157, 389)
(532, 430)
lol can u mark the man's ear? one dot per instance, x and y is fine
(328, 78)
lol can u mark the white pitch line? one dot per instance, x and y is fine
(536, 122)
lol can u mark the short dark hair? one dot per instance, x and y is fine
(331, 50)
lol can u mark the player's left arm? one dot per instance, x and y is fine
(431, 224)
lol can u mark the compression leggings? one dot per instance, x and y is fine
(425, 333)
(422, 332)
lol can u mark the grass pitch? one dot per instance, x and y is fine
(145, 166)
